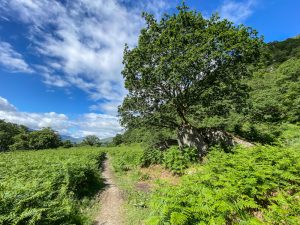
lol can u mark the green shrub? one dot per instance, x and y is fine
(152, 156)
(258, 132)
(177, 160)
(290, 135)
(67, 144)
(259, 185)
(126, 157)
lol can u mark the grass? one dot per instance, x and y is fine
(49, 186)
(258, 185)
(137, 183)
(125, 161)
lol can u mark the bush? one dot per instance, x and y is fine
(151, 156)
(290, 136)
(126, 158)
(67, 144)
(117, 140)
(259, 185)
(258, 132)
(174, 159)
(177, 160)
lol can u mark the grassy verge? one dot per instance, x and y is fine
(125, 161)
(137, 183)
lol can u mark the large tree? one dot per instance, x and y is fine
(91, 140)
(185, 69)
(44, 139)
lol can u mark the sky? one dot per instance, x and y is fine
(61, 60)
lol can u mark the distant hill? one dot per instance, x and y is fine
(107, 140)
(283, 50)
(78, 140)
(72, 139)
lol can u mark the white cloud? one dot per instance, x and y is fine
(110, 107)
(82, 41)
(237, 11)
(12, 60)
(95, 124)
(86, 124)
(59, 122)
(79, 43)
(5, 106)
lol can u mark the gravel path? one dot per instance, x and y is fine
(111, 200)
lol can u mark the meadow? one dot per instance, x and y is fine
(49, 186)
(257, 185)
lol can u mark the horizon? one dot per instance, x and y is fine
(61, 62)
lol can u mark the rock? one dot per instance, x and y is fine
(203, 138)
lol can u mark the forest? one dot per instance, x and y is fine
(212, 136)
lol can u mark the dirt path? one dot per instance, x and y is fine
(111, 200)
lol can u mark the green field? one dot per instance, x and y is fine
(48, 186)
(258, 185)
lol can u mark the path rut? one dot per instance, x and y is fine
(111, 200)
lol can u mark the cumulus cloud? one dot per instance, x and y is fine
(78, 43)
(82, 41)
(110, 107)
(5, 106)
(12, 60)
(86, 124)
(93, 124)
(237, 11)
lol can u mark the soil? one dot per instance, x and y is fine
(111, 200)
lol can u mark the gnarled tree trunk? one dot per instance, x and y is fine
(191, 137)
(203, 138)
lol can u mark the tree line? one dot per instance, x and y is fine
(20, 137)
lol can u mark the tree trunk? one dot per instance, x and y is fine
(191, 137)
(203, 138)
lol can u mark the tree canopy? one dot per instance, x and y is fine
(91, 140)
(19, 137)
(185, 67)
(7, 133)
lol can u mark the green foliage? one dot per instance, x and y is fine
(117, 140)
(174, 159)
(276, 93)
(125, 161)
(177, 160)
(18, 137)
(126, 157)
(152, 156)
(67, 144)
(135, 135)
(20, 142)
(284, 50)
(185, 65)
(259, 185)
(91, 140)
(45, 187)
(7, 133)
(44, 139)
(264, 133)
(289, 136)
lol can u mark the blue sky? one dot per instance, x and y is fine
(60, 61)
